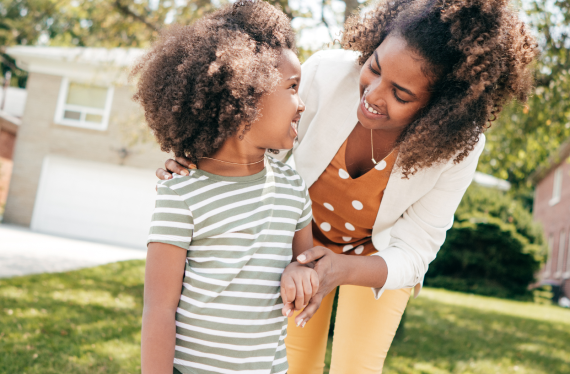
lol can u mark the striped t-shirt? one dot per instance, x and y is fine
(238, 232)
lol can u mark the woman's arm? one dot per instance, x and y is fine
(164, 273)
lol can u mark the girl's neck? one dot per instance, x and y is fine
(240, 153)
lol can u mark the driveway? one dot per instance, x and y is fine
(23, 251)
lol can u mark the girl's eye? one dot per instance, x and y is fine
(294, 86)
(398, 98)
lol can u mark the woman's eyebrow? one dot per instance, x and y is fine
(393, 83)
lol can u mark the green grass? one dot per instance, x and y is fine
(88, 321)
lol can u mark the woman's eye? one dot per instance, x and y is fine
(372, 69)
(398, 98)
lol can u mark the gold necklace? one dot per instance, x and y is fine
(235, 163)
(372, 146)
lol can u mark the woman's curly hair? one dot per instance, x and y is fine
(477, 54)
(198, 84)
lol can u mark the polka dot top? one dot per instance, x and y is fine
(345, 209)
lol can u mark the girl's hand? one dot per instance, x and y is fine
(299, 283)
(179, 166)
(328, 266)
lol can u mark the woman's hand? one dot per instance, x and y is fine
(331, 275)
(179, 165)
(299, 283)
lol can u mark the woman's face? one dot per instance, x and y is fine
(393, 87)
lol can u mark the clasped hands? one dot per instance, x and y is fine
(306, 281)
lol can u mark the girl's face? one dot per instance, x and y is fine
(393, 88)
(280, 110)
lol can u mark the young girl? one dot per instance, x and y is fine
(224, 91)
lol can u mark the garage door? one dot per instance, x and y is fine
(94, 201)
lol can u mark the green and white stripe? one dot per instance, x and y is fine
(238, 232)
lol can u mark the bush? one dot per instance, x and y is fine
(494, 248)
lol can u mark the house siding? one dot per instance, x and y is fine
(39, 136)
(555, 220)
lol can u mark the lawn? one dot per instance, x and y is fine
(88, 321)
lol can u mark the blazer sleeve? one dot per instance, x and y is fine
(418, 234)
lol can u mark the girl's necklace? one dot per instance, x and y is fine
(372, 146)
(235, 163)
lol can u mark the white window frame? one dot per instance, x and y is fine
(567, 273)
(557, 187)
(62, 107)
(561, 250)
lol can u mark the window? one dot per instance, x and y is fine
(560, 262)
(549, 258)
(557, 189)
(567, 273)
(83, 105)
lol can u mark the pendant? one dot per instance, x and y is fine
(374, 161)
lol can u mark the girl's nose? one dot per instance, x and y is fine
(301, 107)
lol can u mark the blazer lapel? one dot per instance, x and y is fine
(323, 140)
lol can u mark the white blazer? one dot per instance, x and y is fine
(415, 213)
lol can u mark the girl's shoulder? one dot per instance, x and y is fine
(285, 173)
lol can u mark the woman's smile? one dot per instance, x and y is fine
(370, 110)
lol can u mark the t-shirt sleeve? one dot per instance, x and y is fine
(307, 214)
(172, 221)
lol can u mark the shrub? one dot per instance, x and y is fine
(494, 248)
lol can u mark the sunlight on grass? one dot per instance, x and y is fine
(88, 321)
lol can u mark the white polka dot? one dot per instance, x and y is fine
(325, 226)
(346, 238)
(359, 249)
(381, 165)
(328, 206)
(348, 226)
(357, 205)
(347, 248)
(343, 174)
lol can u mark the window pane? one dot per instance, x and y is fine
(93, 118)
(72, 115)
(84, 95)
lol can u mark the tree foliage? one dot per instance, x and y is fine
(526, 135)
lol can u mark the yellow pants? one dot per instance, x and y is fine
(364, 330)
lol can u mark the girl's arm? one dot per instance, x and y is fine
(164, 273)
(299, 282)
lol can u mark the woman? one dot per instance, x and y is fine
(388, 144)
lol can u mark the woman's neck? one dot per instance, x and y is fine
(241, 159)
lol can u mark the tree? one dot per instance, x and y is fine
(525, 136)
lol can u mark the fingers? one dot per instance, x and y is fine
(314, 283)
(309, 311)
(312, 254)
(288, 291)
(185, 162)
(308, 289)
(163, 174)
(287, 310)
(300, 296)
(174, 167)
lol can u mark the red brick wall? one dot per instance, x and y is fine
(555, 220)
(5, 173)
(7, 141)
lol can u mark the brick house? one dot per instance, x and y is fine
(77, 170)
(552, 210)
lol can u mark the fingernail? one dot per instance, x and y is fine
(168, 177)
(301, 258)
(192, 166)
(287, 312)
(304, 323)
(298, 323)
(184, 172)
(290, 314)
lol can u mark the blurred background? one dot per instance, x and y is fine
(77, 183)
